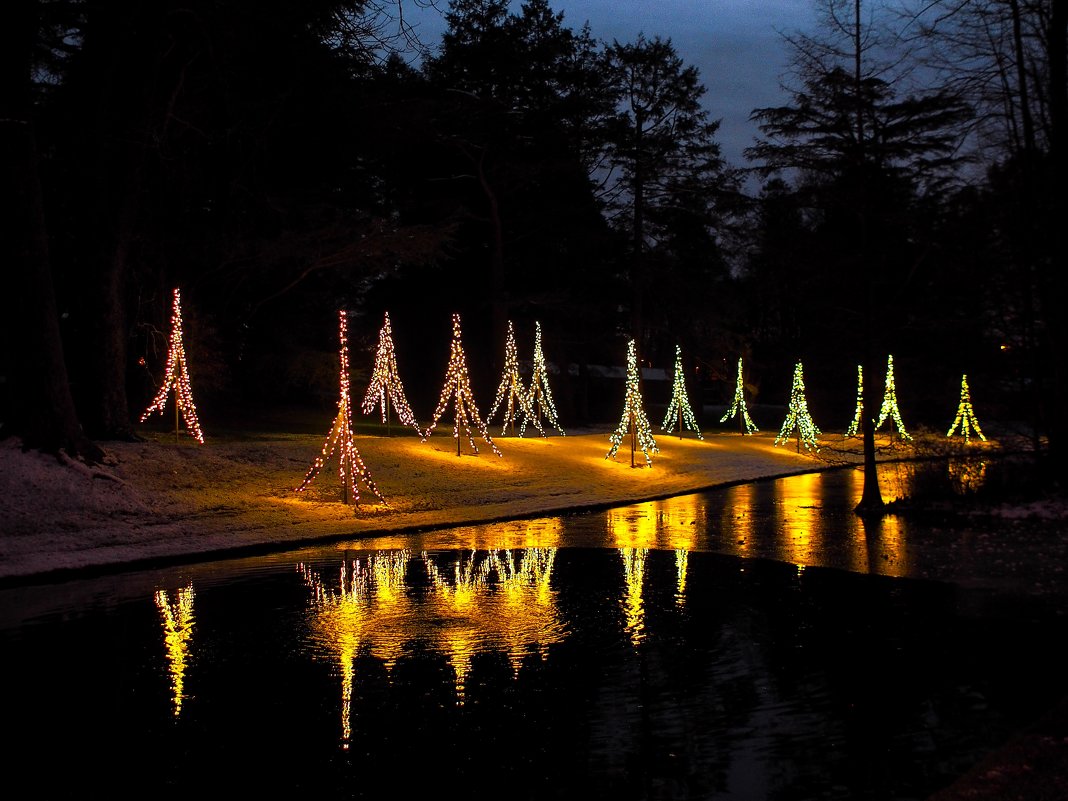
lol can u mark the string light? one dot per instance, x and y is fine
(679, 410)
(798, 417)
(540, 397)
(386, 386)
(177, 376)
(966, 418)
(458, 389)
(854, 427)
(738, 405)
(177, 618)
(634, 422)
(511, 387)
(350, 463)
(889, 408)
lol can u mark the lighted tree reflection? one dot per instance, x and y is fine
(177, 616)
(669, 524)
(497, 600)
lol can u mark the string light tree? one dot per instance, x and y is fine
(511, 387)
(679, 410)
(458, 389)
(738, 407)
(889, 410)
(540, 398)
(798, 419)
(386, 387)
(177, 376)
(634, 422)
(966, 419)
(351, 469)
(858, 415)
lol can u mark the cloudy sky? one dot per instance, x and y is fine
(735, 45)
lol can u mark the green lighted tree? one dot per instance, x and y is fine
(858, 415)
(797, 416)
(889, 410)
(966, 419)
(679, 411)
(738, 407)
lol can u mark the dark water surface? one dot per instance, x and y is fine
(609, 655)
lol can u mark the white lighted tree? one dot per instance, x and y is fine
(634, 423)
(966, 420)
(386, 386)
(679, 411)
(351, 469)
(510, 391)
(889, 410)
(540, 397)
(858, 414)
(177, 377)
(457, 389)
(738, 407)
(798, 419)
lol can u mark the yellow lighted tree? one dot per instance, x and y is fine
(634, 423)
(510, 391)
(177, 377)
(386, 386)
(351, 468)
(738, 405)
(854, 427)
(540, 397)
(966, 419)
(679, 411)
(457, 389)
(798, 419)
(889, 410)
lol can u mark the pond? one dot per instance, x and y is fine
(754, 642)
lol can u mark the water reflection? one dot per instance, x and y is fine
(470, 602)
(177, 617)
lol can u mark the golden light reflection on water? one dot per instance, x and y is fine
(668, 524)
(966, 475)
(499, 600)
(177, 618)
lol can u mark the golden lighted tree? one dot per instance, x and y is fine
(351, 469)
(634, 424)
(510, 391)
(457, 390)
(540, 396)
(177, 378)
(386, 386)
(858, 414)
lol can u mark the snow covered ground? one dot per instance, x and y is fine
(158, 499)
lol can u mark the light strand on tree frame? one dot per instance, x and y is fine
(386, 386)
(889, 408)
(854, 427)
(511, 387)
(540, 399)
(966, 418)
(634, 421)
(458, 389)
(679, 411)
(738, 405)
(798, 417)
(177, 376)
(340, 438)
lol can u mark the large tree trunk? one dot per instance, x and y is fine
(42, 406)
